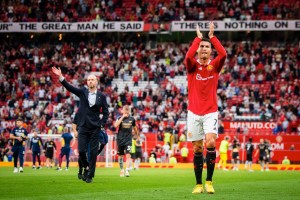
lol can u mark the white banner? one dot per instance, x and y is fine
(259, 25)
(137, 26)
(73, 27)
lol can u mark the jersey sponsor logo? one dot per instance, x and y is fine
(200, 78)
(35, 140)
(20, 133)
(126, 125)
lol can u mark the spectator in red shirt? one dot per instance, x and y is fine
(135, 80)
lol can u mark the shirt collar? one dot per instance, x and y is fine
(95, 92)
(198, 60)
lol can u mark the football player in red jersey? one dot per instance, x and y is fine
(202, 121)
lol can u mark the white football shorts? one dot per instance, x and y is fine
(199, 125)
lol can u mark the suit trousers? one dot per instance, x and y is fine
(87, 136)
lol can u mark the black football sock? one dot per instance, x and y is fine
(210, 162)
(15, 159)
(198, 167)
(39, 160)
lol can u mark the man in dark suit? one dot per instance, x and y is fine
(92, 102)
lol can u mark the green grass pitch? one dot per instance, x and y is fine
(146, 183)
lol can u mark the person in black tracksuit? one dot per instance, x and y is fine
(249, 148)
(235, 158)
(262, 150)
(49, 148)
(125, 124)
(19, 136)
(268, 154)
(36, 144)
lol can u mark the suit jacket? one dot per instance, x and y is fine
(89, 117)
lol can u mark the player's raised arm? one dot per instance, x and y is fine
(62, 80)
(220, 59)
(58, 72)
(190, 56)
(211, 30)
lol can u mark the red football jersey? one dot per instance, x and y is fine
(203, 79)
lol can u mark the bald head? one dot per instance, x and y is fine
(92, 76)
(92, 82)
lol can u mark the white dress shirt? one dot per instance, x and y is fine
(92, 98)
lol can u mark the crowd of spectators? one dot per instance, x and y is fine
(148, 11)
(257, 80)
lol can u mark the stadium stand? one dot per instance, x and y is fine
(259, 82)
(148, 11)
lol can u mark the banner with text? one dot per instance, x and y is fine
(8, 124)
(249, 125)
(72, 27)
(253, 25)
(137, 26)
